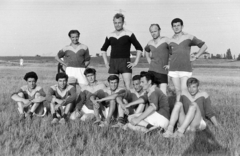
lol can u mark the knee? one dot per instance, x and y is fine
(192, 107)
(112, 103)
(37, 95)
(21, 94)
(178, 104)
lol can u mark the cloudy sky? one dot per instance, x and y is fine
(31, 27)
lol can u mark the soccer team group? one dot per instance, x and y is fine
(143, 107)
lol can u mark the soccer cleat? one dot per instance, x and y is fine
(62, 121)
(168, 134)
(54, 121)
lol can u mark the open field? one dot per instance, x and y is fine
(78, 138)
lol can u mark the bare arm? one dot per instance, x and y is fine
(39, 99)
(140, 108)
(60, 61)
(148, 57)
(104, 55)
(138, 101)
(110, 97)
(200, 52)
(86, 63)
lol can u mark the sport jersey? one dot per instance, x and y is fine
(121, 44)
(160, 55)
(30, 95)
(68, 94)
(203, 101)
(156, 98)
(86, 93)
(181, 48)
(75, 57)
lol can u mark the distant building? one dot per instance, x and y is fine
(205, 55)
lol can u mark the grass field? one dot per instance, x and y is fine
(81, 138)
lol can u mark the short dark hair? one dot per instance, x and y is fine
(30, 75)
(113, 77)
(157, 25)
(61, 76)
(73, 32)
(89, 71)
(119, 15)
(176, 20)
(136, 77)
(148, 76)
(192, 80)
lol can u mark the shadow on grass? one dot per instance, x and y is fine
(205, 144)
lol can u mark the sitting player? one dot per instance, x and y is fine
(157, 114)
(190, 112)
(85, 105)
(61, 97)
(30, 97)
(104, 102)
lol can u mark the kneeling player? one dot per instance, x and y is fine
(30, 97)
(61, 97)
(85, 105)
(157, 114)
(190, 111)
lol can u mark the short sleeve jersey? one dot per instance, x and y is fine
(160, 55)
(75, 57)
(31, 95)
(203, 101)
(159, 100)
(181, 48)
(121, 44)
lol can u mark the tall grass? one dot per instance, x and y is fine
(39, 137)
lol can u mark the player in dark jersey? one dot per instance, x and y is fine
(192, 110)
(61, 97)
(159, 50)
(120, 41)
(30, 97)
(180, 68)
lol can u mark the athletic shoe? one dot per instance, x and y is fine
(54, 121)
(62, 121)
(119, 124)
(154, 129)
(168, 134)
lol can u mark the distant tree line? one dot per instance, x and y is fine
(227, 55)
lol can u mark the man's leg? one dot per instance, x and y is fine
(184, 83)
(121, 121)
(163, 88)
(112, 107)
(135, 128)
(177, 85)
(53, 112)
(66, 111)
(88, 114)
(20, 104)
(127, 79)
(34, 106)
(176, 115)
(193, 117)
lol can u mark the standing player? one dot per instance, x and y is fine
(76, 59)
(85, 105)
(61, 97)
(30, 97)
(191, 111)
(158, 46)
(120, 41)
(157, 114)
(180, 64)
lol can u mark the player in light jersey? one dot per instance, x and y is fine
(30, 97)
(76, 59)
(191, 111)
(85, 107)
(180, 68)
(61, 98)
(157, 54)
(120, 41)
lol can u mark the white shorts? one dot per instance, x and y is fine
(179, 74)
(85, 110)
(76, 75)
(157, 120)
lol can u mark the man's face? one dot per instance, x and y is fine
(31, 82)
(144, 83)
(137, 86)
(62, 83)
(193, 89)
(118, 23)
(155, 32)
(74, 38)
(91, 77)
(113, 84)
(177, 27)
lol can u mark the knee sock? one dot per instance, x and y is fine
(64, 116)
(54, 115)
(149, 126)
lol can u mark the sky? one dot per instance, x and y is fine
(40, 27)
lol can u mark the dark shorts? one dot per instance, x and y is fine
(159, 78)
(119, 66)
